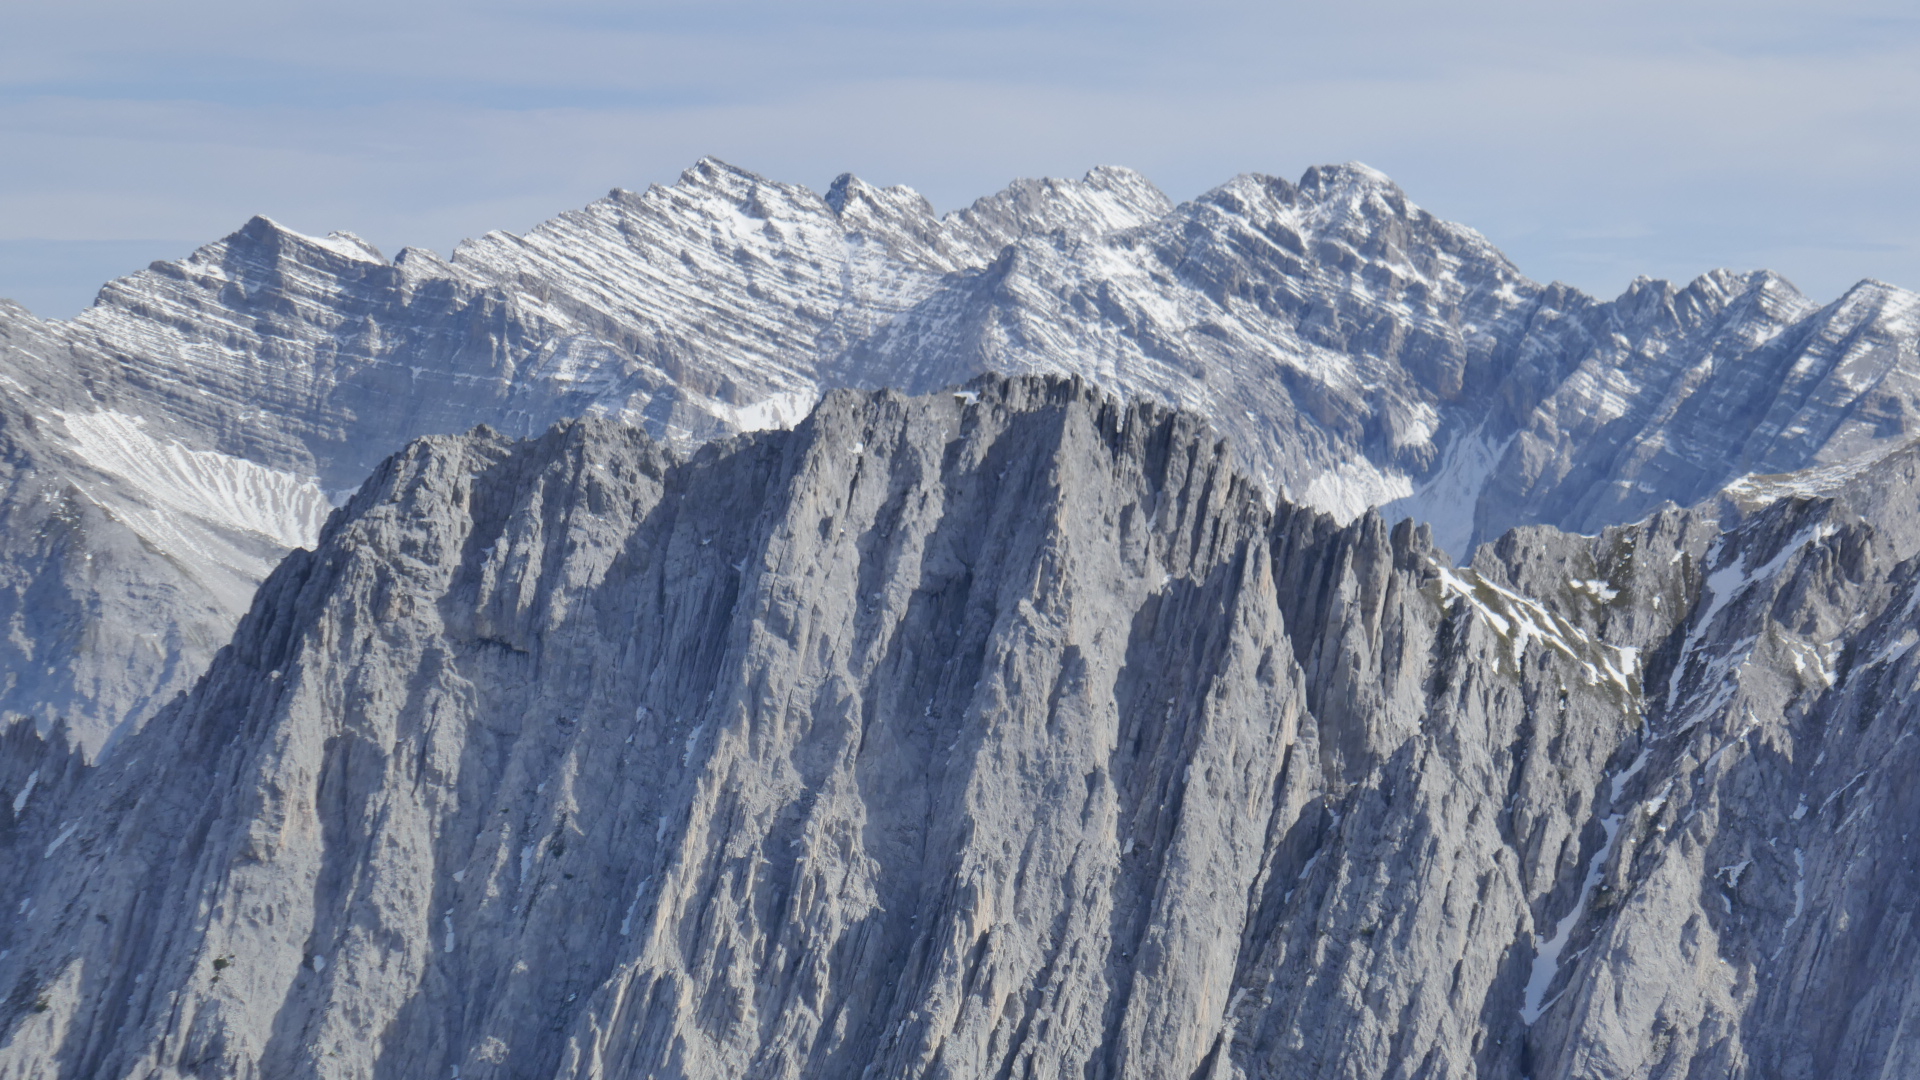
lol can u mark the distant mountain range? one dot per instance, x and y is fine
(164, 448)
(737, 631)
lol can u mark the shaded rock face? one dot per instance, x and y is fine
(738, 759)
(998, 733)
(1357, 351)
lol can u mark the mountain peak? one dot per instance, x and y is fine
(1115, 175)
(848, 190)
(1365, 173)
(713, 172)
(1107, 199)
(843, 186)
(1352, 181)
(1876, 291)
(261, 230)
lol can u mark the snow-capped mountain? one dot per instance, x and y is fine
(1355, 350)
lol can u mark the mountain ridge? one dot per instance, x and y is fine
(990, 730)
(1356, 350)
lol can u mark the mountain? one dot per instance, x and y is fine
(1005, 731)
(294, 364)
(1356, 351)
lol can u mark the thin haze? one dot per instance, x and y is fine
(1593, 142)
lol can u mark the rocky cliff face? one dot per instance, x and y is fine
(1356, 350)
(199, 415)
(992, 733)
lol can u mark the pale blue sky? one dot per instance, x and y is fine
(1593, 142)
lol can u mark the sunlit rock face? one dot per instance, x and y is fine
(172, 442)
(988, 732)
(168, 446)
(1083, 704)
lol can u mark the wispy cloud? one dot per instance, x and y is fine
(1760, 133)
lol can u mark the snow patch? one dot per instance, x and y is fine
(1522, 619)
(1446, 500)
(349, 246)
(61, 839)
(1349, 490)
(1546, 958)
(777, 412)
(218, 489)
(1799, 900)
(1756, 490)
(1595, 587)
(1631, 771)
(1720, 589)
(1417, 427)
(626, 924)
(20, 800)
(344, 244)
(1658, 802)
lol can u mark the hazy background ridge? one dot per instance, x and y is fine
(1593, 144)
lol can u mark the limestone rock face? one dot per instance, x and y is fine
(201, 419)
(998, 732)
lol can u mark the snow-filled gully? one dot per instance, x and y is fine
(1721, 588)
(1521, 619)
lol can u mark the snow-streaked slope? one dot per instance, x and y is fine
(198, 396)
(741, 289)
(1324, 326)
(219, 490)
(1353, 349)
(1445, 500)
(1331, 328)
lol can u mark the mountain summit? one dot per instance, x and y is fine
(731, 630)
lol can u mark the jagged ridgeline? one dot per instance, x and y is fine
(163, 449)
(999, 732)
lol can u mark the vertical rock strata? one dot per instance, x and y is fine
(995, 733)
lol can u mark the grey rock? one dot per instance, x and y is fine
(989, 733)
(271, 369)
(1355, 349)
